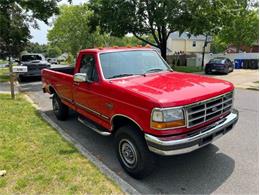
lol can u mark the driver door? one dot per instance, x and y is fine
(84, 92)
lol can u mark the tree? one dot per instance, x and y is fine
(36, 48)
(53, 52)
(218, 45)
(209, 17)
(15, 38)
(15, 17)
(71, 31)
(158, 18)
(242, 30)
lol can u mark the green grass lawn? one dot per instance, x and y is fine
(4, 74)
(38, 160)
(3, 62)
(188, 69)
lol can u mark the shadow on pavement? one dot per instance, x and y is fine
(200, 172)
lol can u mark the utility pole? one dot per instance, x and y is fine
(11, 77)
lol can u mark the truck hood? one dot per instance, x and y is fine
(174, 89)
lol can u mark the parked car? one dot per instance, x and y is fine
(52, 60)
(220, 65)
(133, 95)
(34, 62)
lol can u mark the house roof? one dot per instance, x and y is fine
(185, 36)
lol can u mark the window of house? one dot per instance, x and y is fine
(194, 44)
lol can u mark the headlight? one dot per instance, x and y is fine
(167, 118)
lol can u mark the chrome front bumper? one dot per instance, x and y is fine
(195, 141)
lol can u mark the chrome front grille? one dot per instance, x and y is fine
(205, 110)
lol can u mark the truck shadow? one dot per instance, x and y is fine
(200, 172)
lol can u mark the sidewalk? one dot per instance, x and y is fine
(241, 78)
(5, 88)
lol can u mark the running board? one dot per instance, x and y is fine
(94, 127)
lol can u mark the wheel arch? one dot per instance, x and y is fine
(119, 120)
(52, 90)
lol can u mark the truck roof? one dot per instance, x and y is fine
(116, 49)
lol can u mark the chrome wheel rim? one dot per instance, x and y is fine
(56, 106)
(128, 153)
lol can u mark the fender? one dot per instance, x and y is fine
(112, 118)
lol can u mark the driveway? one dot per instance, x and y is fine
(230, 165)
(241, 78)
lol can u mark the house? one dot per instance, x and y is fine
(186, 43)
(254, 48)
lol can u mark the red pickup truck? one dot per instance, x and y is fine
(134, 95)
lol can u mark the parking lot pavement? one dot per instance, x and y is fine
(241, 78)
(230, 165)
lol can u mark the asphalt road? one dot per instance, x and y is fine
(230, 165)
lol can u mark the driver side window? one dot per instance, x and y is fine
(88, 65)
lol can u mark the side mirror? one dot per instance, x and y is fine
(81, 77)
(18, 61)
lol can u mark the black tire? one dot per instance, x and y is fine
(133, 153)
(60, 110)
(207, 71)
(21, 78)
(226, 70)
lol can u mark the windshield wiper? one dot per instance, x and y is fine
(120, 75)
(154, 70)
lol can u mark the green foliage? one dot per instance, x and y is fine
(231, 22)
(14, 31)
(71, 32)
(218, 45)
(242, 30)
(140, 17)
(53, 52)
(188, 69)
(36, 48)
(15, 18)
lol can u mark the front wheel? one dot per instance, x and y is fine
(133, 153)
(60, 110)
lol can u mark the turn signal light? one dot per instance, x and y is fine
(164, 125)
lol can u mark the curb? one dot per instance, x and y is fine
(126, 188)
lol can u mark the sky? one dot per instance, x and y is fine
(40, 35)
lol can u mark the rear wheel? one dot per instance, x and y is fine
(207, 71)
(133, 153)
(60, 110)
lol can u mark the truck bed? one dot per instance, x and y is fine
(66, 70)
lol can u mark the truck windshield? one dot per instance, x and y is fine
(127, 63)
(27, 58)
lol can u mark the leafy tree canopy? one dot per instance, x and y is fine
(162, 17)
(242, 30)
(71, 31)
(15, 18)
(53, 52)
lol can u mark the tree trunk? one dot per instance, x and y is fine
(163, 48)
(203, 51)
